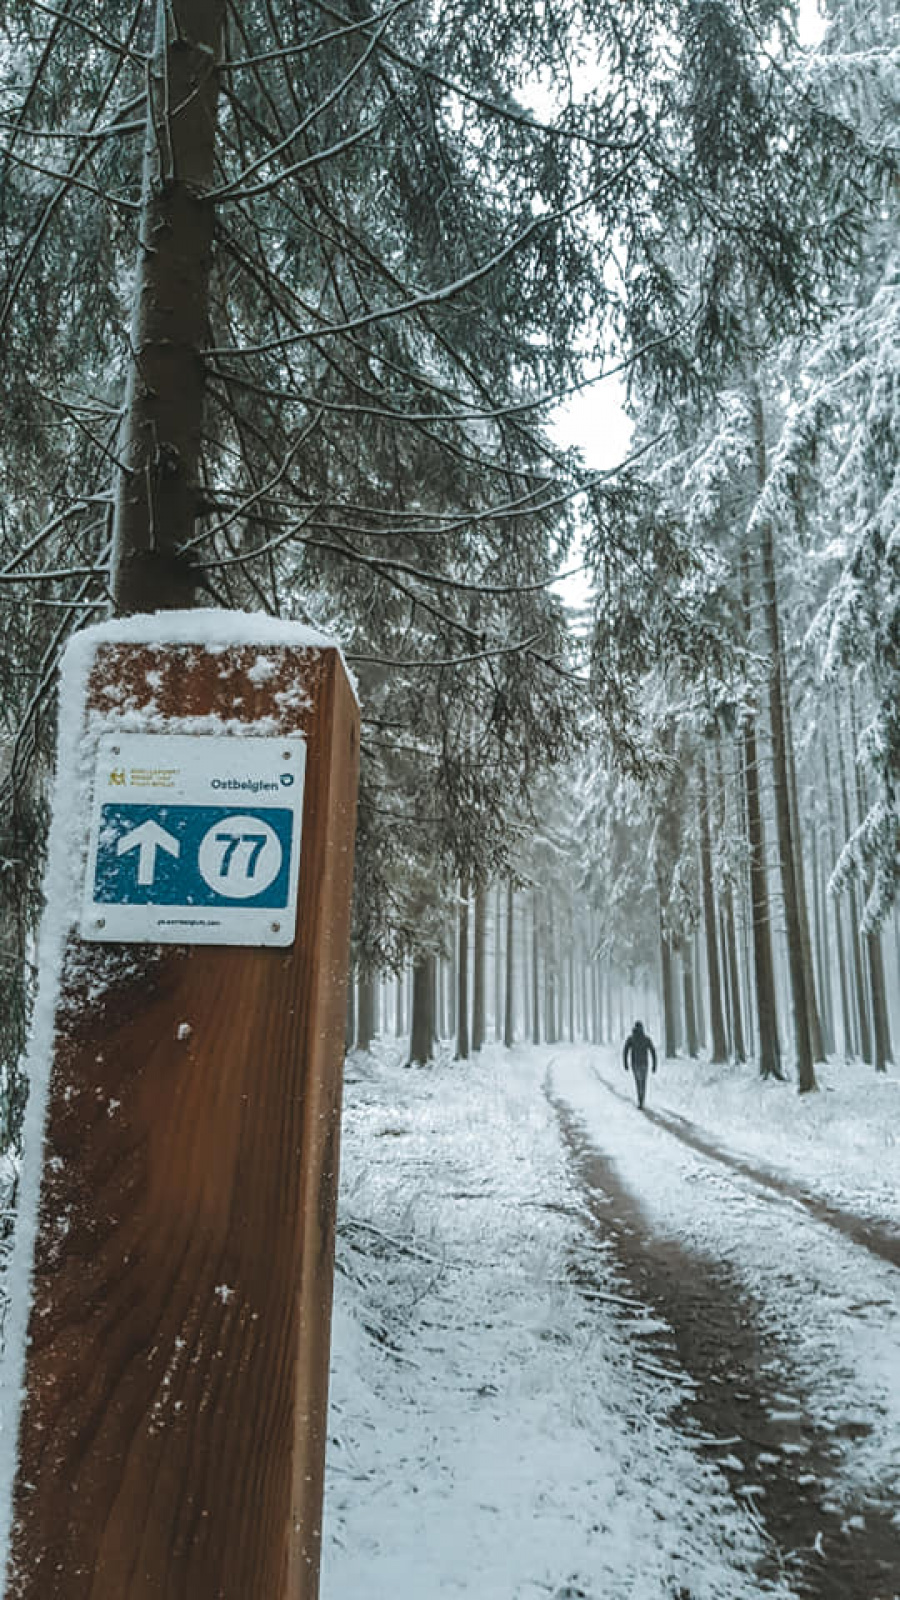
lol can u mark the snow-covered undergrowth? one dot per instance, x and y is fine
(843, 1142)
(494, 1431)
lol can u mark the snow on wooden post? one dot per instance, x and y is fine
(172, 1427)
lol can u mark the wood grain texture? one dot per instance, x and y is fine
(172, 1442)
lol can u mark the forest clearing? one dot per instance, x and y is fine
(575, 1359)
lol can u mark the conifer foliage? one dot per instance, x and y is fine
(288, 291)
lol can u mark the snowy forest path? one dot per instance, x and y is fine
(749, 1408)
(873, 1234)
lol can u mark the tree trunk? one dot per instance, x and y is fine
(570, 966)
(501, 965)
(880, 1023)
(734, 979)
(535, 994)
(728, 939)
(764, 973)
(816, 1038)
(478, 969)
(399, 1017)
(158, 495)
(820, 925)
(717, 1024)
(551, 1023)
(690, 1015)
(365, 1011)
(699, 1012)
(527, 950)
(847, 1018)
(421, 1044)
(844, 980)
(670, 1042)
(883, 1051)
(509, 994)
(862, 1008)
(788, 846)
(585, 988)
(462, 976)
(742, 901)
(766, 1004)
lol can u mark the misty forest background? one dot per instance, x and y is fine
(291, 295)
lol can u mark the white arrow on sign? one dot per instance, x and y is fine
(148, 838)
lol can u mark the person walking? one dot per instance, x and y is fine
(639, 1050)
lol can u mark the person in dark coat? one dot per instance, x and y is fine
(639, 1051)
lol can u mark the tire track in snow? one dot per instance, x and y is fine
(877, 1237)
(745, 1406)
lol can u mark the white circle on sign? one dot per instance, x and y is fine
(239, 857)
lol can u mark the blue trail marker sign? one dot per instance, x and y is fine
(195, 839)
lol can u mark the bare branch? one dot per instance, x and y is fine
(321, 156)
(69, 180)
(303, 127)
(516, 647)
(72, 20)
(505, 112)
(289, 52)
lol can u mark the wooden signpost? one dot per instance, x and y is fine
(171, 1441)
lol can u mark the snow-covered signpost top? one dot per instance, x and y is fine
(168, 1338)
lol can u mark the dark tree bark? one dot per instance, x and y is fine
(738, 1041)
(570, 966)
(551, 999)
(816, 1036)
(447, 1026)
(788, 846)
(851, 1043)
(478, 969)
(421, 1044)
(158, 497)
(766, 1003)
(864, 1032)
(670, 1029)
(501, 962)
(820, 925)
(847, 1014)
(690, 1013)
(764, 974)
(365, 1011)
(728, 936)
(717, 1024)
(509, 991)
(880, 1022)
(535, 973)
(697, 955)
(462, 976)
(883, 1051)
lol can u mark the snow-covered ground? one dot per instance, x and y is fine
(843, 1142)
(496, 1433)
(829, 1307)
